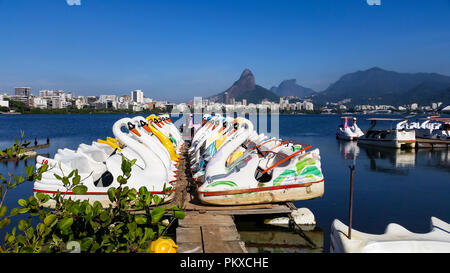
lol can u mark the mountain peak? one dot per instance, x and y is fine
(375, 68)
(291, 88)
(246, 88)
(246, 73)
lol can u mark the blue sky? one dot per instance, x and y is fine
(177, 49)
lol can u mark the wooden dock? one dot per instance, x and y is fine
(207, 228)
(432, 143)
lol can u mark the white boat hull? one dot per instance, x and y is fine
(400, 139)
(396, 239)
(236, 197)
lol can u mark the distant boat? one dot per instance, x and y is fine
(434, 128)
(347, 131)
(394, 138)
(396, 239)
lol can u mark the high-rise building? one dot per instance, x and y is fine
(226, 98)
(137, 96)
(22, 91)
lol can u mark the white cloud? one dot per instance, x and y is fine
(73, 2)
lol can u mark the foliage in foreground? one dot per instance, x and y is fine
(129, 224)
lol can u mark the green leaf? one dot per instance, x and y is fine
(22, 225)
(179, 214)
(4, 222)
(161, 228)
(111, 194)
(157, 214)
(65, 180)
(158, 200)
(104, 216)
(23, 210)
(48, 221)
(149, 234)
(80, 189)
(140, 219)
(3, 210)
(30, 233)
(40, 228)
(57, 176)
(14, 211)
(76, 180)
(9, 151)
(86, 243)
(65, 224)
(22, 202)
(21, 239)
(29, 170)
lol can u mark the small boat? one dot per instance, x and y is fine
(394, 138)
(396, 239)
(347, 131)
(434, 128)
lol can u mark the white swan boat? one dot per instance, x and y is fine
(394, 138)
(286, 174)
(348, 131)
(98, 176)
(396, 239)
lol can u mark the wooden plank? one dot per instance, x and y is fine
(222, 240)
(228, 233)
(188, 235)
(189, 240)
(190, 248)
(198, 219)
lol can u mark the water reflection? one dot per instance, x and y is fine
(395, 161)
(437, 158)
(262, 238)
(348, 149)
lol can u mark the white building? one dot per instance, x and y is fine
(137, 96)
(3, 103)
(39, 102)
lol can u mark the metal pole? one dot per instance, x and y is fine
(352, 170)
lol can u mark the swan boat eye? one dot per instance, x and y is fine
(131, 126)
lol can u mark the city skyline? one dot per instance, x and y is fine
(176, 50)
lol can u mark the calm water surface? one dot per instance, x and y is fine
(405, 187)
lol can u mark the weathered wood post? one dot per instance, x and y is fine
(352, 170)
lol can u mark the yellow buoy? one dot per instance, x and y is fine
(163, 245)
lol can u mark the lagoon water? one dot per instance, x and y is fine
(405, 187)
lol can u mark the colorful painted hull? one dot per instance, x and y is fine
(301, 179)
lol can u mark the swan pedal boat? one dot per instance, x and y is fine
(396, 239)
(287, 173)
(99, 165)
(348, 132)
